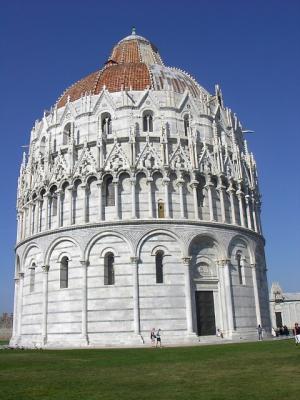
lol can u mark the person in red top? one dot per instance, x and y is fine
(296, 332)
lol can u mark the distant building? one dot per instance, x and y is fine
(138, 207)
(284, 307)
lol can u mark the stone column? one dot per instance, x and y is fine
(188, 295)
(24, 221)
(150, 201)
(30, 207)
(240, 195)
(248, 212)
(16, 311)
(70, 190)
(84, 332)
(21, 224)
(167, 201)
(258, 210)
(228, 295)
(256, 295)
(222, 298)
(231, 191)
(180, 183)
(221, 189)
(58, 193)
(194, 185)
(20, 304)
(100, 202)
(116, 189)
(38, 211)
(254, 214)
(18, 226)
(47, 214)
(45, 304)
(133, 202)
(208, 186)
(136, 305)
(83, 188)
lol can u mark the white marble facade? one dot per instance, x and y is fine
(134, 174)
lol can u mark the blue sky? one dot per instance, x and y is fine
(251, 48)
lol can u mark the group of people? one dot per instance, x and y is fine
(296, 332)
(155, 337)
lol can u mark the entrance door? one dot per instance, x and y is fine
(205, 313)
(278, 319)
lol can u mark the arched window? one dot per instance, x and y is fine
(161, 209)
(32, 278)
(159, 267)
(64, 272)
(240, 268)
(148, 121)
(67, 133)
(186, 122)
(54, 145)
(109, 270)
(106, 123)
(109, 192)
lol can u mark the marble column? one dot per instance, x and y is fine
(116, 189)
(133, 202)
(48, 211)
(231, 191)
(38, 210)
(166, 182)
(15, 315)
(248, 212)
(228, 295)
(45, 304)
(30, 211)
(84, 216)
(150, 200)
(136, 305)
(208, 186)
(256, 295)
(254, 214)
(100, 201)
(180, 183)
(240, 196)
(221, 189)
(194, 185)
(20, 304)
(188, 295)
(58, 193)
(84, 332)
(70, 190)
(222, 302)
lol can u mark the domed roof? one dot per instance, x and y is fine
(134, 64)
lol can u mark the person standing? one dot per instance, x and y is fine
(260, 332)
(152, 337)
(296, 332)
(158, 338)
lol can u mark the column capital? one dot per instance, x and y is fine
(223, 262)
(166, 181)
(99, 182)
(186, 260)
(134, 260)
(21, 275)
(149, 180)
(253, 265)
(70, 187)
(84, 263)
(179, 182)
(133, 181)
(45, 268)
(194, 183)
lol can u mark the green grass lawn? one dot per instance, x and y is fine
(262, 370)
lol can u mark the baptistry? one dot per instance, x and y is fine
(138, 207)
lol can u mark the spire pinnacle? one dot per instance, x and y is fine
(133, 30)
